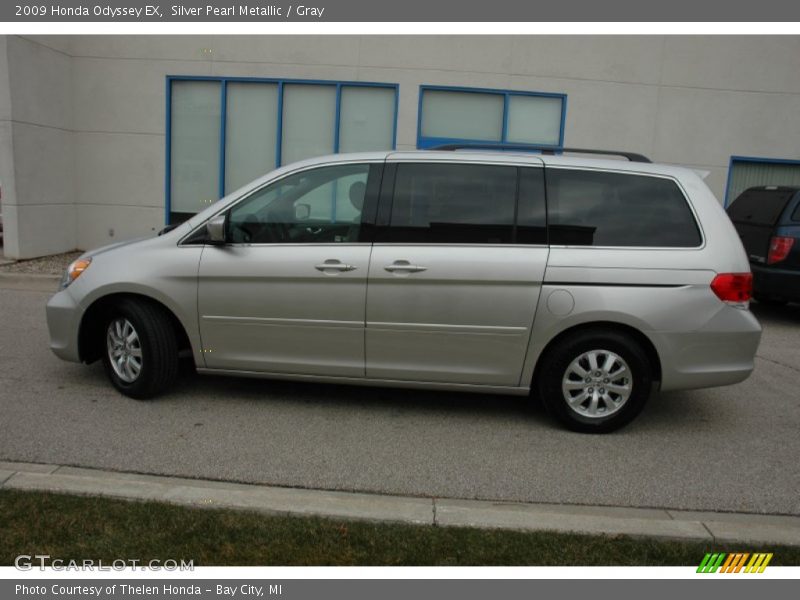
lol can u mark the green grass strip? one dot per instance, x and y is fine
(76, 528)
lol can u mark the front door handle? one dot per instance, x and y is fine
(404, 266)
(334, 265)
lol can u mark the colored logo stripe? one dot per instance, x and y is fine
(758, 563)
(711, 563)
(734, 562)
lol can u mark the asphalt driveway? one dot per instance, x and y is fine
(730, 449)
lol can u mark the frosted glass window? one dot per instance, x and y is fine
(366, 119)
(309, 116)
(462, 115)
(250, 132)
(265, 122)
(534, 120)
(194, 145)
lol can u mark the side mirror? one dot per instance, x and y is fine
(215, 230)
(302, 212)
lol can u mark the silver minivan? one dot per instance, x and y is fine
(586, 282)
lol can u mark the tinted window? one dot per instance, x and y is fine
(759, 206)
(320, 205)
(448, 203)
(796, 213)
(588, 208)
(532, 211)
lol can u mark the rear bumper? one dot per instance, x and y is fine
(776, 282)
(720, 353)
(63, 321)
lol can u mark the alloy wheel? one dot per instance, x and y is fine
(597, 384)
(124, 349)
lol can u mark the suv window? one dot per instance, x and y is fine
(593, 208)
(759, 206)
(319, 205)
(452, 203)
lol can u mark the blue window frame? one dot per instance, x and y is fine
(503, 102)
(337, 88)
(764, 171)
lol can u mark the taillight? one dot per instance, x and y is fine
(734, 288)
(779, 248)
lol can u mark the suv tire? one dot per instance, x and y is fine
(595, 381)
(140, 351)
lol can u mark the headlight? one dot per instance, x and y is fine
(74, 271)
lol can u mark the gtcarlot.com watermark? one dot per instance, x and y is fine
(28, 562)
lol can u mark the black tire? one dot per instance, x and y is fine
(158, 348)
(557, 361)
(770, 300)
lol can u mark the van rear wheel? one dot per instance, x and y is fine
(595, 381)
(141, 350)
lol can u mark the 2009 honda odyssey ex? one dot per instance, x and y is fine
(584, 281)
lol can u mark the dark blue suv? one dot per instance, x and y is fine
(768, 221)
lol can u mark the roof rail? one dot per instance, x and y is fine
(631, 156)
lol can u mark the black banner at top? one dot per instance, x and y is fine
(401, 11)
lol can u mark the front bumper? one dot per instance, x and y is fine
(63, 322)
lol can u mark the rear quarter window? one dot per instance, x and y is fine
(595, 208)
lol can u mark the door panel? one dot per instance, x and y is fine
(287, 292)
(452, 291)
(284, 308)
(465, 319)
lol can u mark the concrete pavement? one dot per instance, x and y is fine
(29, 282)
(707, 527)
(730, 449)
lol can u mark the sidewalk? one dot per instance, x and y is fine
(707, 527)
(32, 282)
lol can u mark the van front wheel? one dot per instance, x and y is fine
(595, 381)
(141, 352)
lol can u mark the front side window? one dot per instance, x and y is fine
(322, 205)
(452, 203)
(592, 208)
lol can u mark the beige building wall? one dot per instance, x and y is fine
(85, 128)
(36, 149)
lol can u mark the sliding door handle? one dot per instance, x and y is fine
(403, 266)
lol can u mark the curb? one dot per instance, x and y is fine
(34, 282)
(691, 526)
